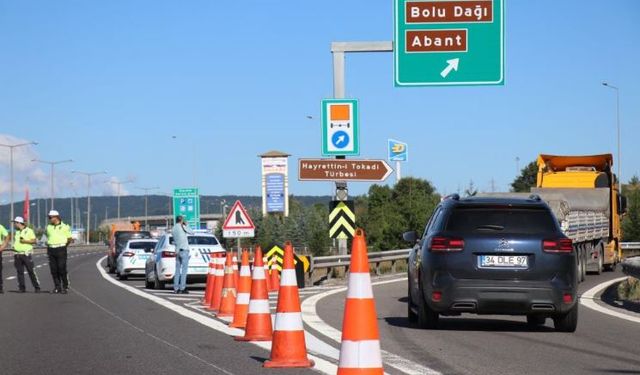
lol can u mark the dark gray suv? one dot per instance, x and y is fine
(500, 256)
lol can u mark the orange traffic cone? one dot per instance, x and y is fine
(360, 348)
(208, 291)
(228, 303)
(236, 277)
(265, 262)
(216, 294)
(244, 292)
(289, 348)
(275, 277)
(258, 327)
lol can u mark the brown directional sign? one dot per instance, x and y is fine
(343, 170)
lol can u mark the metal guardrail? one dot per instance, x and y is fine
(630, 245)
(631, 267)
(333, 261)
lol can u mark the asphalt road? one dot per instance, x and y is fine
(494, 345)
(100, 328)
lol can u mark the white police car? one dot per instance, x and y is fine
(161, 265)
(133, 257)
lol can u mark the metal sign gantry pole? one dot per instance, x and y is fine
(338, 49)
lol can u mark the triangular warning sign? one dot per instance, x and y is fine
(238, 218)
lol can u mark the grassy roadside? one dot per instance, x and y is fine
(629, 290)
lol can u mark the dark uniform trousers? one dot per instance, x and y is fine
(1, 271)
(58, 266)
(22, 262)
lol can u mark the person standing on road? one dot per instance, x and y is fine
(180, 234)
(23, 243)
(4, 240)
(58, 238)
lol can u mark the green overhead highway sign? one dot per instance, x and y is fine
(446, 43)
(186, 202)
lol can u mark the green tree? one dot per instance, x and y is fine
(631, 221)
(526, 180)
(392, 211)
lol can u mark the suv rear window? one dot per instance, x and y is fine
(199, 240)
(143, 245)
(519, 220)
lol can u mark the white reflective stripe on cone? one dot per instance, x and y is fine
(258, 273)
(360, 354)
(212, 271)
(259, 306)
(288, 278)
(291, 321)
(242, 299)
(359, 286)
(245, 271)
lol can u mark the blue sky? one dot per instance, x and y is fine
(108, 83)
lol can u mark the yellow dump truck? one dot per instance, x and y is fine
(584, 194)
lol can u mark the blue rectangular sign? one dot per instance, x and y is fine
(275, 192)
(398, 151)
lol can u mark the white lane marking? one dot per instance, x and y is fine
(588, 300)
(322, 365)
(126, 322)
(182, 299)
(11, 277)
(311, 317)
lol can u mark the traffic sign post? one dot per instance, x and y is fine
(441, 43)
(238, 223)
(340, 127)
(186, 203)
(398, 152)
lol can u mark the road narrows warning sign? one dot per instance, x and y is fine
(238, 223)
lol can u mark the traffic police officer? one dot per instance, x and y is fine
(4, 240)
(58, 238)
(23, 242)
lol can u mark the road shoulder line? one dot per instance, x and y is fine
(588, 299)
(321, 364)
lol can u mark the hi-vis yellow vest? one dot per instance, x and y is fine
(57, 235)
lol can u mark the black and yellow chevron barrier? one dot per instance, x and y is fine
(342, 220)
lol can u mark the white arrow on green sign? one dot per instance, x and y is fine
(442, 43)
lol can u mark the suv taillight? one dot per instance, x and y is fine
(168, 254)
(563, 245)
(446, 244)
(128, 254)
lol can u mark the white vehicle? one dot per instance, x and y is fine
(161, 265)
(133, 257)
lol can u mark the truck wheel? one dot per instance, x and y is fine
(610, 267)
(583, 264)
(567, 322)
(600, 261)
(111, 267)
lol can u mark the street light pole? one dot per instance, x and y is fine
(119, 184)
(52, 164)
(146, 197)
(11, 147)
(89, 175)
(618, 126)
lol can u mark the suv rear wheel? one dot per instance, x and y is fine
(427, 318)
(567, 322)
(157, 284)
(535, 320)
(413, 317)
